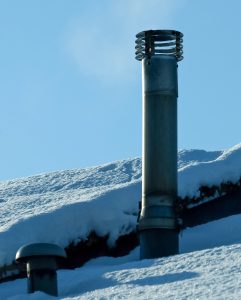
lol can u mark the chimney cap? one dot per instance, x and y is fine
(159, 42)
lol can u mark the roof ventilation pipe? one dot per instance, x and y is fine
(42, 262)
(159, 51)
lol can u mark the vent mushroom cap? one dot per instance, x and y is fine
(29, 251)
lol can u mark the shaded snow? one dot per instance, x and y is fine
(66, 206)
(217, 233)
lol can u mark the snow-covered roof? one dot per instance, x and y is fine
(66, 206)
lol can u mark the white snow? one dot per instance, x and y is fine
(66, 206)
(225, 168)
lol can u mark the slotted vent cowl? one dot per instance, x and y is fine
(159, 42)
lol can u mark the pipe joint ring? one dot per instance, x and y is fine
(158, 200)
(161, 223)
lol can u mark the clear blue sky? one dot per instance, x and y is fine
(70, 86)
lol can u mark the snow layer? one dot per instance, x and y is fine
(66, 206)
(225, 168)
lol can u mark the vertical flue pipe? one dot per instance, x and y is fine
(159, 51)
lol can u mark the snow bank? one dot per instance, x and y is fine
(225, 168)
(66, 206)
(112, 212)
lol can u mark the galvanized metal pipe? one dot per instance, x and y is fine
(158, 222)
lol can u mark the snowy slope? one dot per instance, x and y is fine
(66, 206)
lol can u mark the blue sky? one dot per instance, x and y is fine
(70, 86)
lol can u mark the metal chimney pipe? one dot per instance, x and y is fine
(159, 51)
